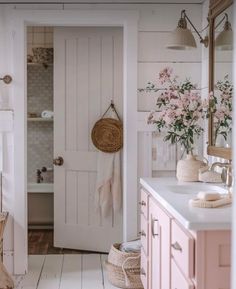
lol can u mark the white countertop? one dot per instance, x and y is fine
(177, 203)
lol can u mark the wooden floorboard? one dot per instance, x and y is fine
(92, 272)
(71, 277)
(51, 273)
(35, 264)
(40, 242)
(107, 284)
(72, 271)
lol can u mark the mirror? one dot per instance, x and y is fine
(221, 79)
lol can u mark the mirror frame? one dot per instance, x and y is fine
(216, 8)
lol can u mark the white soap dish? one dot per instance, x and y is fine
(225, 200)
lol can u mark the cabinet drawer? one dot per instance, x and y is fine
(144, 269)
(144, 234)
(178, 281)
(182, 249)
(144, 203)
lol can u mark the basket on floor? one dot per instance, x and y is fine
(123, 268)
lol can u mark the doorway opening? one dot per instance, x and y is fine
(72, 76)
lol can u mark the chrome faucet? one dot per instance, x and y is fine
(226, 175)
(39, 176)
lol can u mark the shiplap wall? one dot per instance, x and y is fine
(155, 24)
(157, 158)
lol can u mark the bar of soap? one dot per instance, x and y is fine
(208, 196)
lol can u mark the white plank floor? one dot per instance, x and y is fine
(85, 271)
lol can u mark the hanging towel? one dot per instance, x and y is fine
(108, 187)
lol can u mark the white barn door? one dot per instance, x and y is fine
(87, 74)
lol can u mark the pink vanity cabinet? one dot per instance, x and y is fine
(173, 257)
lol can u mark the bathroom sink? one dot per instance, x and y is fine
(40, 188)
(193, 188)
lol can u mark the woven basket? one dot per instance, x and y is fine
(124, 268)
(107, 135)
(42, 55)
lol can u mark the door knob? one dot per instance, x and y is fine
(58, 161)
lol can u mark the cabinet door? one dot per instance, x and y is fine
(159, 247)
(177, 279)
(154, 248)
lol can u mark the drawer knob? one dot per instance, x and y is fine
(143, 272)
(177, 246)
(142, 233)
(142, 203)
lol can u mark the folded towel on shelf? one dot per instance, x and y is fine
(132, 246)
(47, 114)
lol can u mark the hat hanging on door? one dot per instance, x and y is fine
(107, 133)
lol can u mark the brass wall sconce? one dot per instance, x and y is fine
(7, 79)
(182, 37)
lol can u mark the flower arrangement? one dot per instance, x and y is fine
(220, 105)
(180, 110)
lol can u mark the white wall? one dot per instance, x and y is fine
(233, 286)
(156, 23)
(6, 103)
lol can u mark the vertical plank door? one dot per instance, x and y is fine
(88, 65)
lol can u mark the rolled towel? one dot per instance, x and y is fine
(131, 246)
(47, 114)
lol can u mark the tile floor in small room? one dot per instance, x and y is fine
(58, 268)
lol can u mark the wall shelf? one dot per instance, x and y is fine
(38, 64)
(39, 119)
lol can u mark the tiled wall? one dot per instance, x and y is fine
(39, 37)
(40, 149)
(40, 98)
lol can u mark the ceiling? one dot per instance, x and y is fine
(103, 1)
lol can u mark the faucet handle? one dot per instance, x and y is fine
(229, 176)
(224, 175)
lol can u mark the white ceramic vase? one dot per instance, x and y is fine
(188, 169)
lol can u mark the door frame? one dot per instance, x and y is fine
(20, 19)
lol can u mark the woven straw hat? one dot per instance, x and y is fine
(107, 135)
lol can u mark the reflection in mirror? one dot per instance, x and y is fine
(221, 97)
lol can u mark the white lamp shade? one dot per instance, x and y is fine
(224, 41)
(181, 39)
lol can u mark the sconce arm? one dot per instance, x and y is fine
(202, 40)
